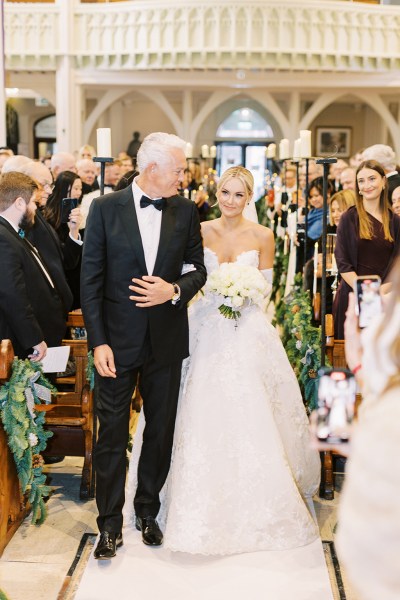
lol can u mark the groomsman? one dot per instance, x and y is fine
(32, 315)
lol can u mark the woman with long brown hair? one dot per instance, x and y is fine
(368, 237)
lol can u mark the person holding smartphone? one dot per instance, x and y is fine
(63, 213)
(368, 238)
(368, 539)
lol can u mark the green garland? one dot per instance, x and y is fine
(90, 369)
(302, 341)
(25, 430)
(281, 262)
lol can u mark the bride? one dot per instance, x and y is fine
(242, 467)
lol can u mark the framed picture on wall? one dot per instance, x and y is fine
(333, 141)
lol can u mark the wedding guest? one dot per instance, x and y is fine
(126, 164)
(348, 178)
(42, 175)
(368, 237)
(395, 199)
(86, 151)
(335, 172)
(315, 214)
(87, 172)
(338, 204)
(62, 161)
(67, 185)
(393, 184)
(111, 177)
(5, 153)
(31, 310)
(14, 163)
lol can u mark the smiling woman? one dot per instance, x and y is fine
(368, 237)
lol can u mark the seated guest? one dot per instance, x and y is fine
(67, 185)
(348, 179)
(338, 204)
(32, 313)
(62, 161)
(87, 172)
(42, 175)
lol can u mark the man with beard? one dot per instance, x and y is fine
(31, 311)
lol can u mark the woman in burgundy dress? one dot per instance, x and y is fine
(368, 237)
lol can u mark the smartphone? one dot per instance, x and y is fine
(67, 204)
(368, 298)
(336, 400)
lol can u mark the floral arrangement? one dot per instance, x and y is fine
(24, 426)
(239, 285)
(302, 341)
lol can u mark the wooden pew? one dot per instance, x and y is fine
(71, 415)
(13, 506)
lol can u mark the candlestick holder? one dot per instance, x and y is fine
(326, 162)
(102, 160)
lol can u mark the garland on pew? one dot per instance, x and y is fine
(25, 429)
(90, 370)
(302, 341)
(281, 262)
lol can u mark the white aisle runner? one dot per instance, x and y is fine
(142, 573)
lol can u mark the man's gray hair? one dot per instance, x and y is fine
(59, 158)
(155, 148)
(383, 154)
(15, 163)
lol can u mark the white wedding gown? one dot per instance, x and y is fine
(242, 464)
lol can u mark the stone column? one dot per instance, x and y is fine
(69, 95)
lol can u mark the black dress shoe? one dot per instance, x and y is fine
(151, 533)
(108, 544)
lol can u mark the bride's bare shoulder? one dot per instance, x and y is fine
(209, 228)
(263, 233)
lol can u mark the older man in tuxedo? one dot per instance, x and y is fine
(31, 310)
(139, 238)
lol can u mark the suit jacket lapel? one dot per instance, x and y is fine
(127, 213)
(167, 229)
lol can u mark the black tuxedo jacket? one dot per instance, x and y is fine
(58, 257)
(30, 309)
(113, 255)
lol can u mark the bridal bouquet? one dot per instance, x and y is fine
(240, 286)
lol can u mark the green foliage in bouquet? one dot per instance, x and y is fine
(24, 427)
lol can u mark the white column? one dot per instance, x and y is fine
(187, 115)
(3, 128)
(69, 95)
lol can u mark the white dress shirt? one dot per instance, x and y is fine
(149, 220)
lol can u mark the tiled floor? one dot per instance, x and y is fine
(37, 559)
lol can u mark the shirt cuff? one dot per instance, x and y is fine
(77, 241)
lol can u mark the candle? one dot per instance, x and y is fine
(305, 140)
(189, 150)
(315, 267)
(213, 151)
(285, 244)
(204, 151)
(193, 195)
(186, 193)
(104, 142)
(297, 149)
(271, 151)
(284, 151)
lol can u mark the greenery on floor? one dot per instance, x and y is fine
(24, 426)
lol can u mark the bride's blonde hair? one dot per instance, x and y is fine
(240, 173)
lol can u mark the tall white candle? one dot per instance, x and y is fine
(284, 150)
(213, 151)
(271, 151)
(204, 151)
(297, 149)
(189, 150)
(305, 139)
(104, 142)
(186, 193)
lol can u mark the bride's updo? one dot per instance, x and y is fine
(239, 173)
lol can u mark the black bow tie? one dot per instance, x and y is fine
(158, 204)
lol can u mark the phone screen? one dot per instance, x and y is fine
(67, 204)
(369, 302)
(336, 399)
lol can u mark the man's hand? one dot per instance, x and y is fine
(152, 290)
(104, 361)
(39, 352)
